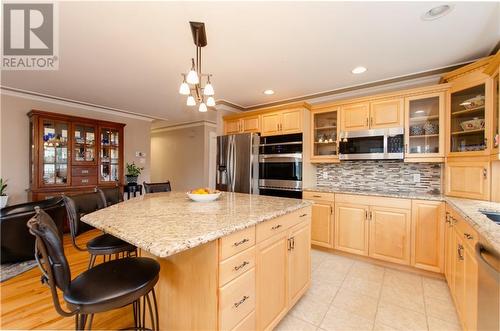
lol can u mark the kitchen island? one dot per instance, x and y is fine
(237, 263)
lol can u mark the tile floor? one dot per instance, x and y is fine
(348, 294)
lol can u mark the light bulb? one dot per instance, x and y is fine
(210, 101)
(191, 101)
(203, 108)
(209, 89)
(184, 89)
(192, 77)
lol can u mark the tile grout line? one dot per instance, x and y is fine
(425, 304)
(379, 298)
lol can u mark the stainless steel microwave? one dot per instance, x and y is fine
(375, 144)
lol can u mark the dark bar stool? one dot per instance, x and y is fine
(157, 187)
(106, 245)
(108, 286)
(111, 195)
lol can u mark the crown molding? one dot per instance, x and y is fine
(11, 91)
(185, 125)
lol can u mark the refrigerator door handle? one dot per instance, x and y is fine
(229, 162)
(234, 165)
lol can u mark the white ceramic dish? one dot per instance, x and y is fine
(475, 124)
(204, 197)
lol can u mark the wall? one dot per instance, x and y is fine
(14, 134)
(181, 154)
(381, 175)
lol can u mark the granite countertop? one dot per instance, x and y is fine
(164, 224)
(389, 194)
(469, 209)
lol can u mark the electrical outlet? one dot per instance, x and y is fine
(416, 178)
(325, 175)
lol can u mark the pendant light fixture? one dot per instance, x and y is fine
(192, 84)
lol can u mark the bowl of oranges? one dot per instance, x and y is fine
(203, 194)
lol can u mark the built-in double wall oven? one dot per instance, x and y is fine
(280, 165)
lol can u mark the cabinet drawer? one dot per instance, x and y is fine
(269, 228)
(465, 230)
(248, 323)
(84, 181)
(311, 195)
(84, 171)
(236, 265)
(237, 300)
(237, 242)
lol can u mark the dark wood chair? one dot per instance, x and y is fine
(105, 245)
(112, 195)
(17, 244)
(157, 187)
(108, 286)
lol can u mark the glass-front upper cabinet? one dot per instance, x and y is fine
(325, 135)
(424, 128)
(54, 155)
(84, 144)
(467, 120)
(496, 114)
(109, 155)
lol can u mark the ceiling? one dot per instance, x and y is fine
(129, 55)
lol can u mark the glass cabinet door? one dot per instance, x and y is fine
(325, 134)
(109, 155)
(54, 153)
(467, 122)
(496, 113)
(424, 126)
(84, 144)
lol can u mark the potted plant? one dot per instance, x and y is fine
(3, 195)
(133, 173)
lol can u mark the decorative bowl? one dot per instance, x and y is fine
(431, 128)
(475, 102)
(204, 197)
(475, 124)
(416, 130)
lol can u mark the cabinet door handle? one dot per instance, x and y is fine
(293, 242)
(303, 215)
(371, 216)
(85, 171)
(85, 180)
(447, 218)
(367, 121)
(468, 236)
(241, 242)
(289, 244)
(366, 215)
(239, 303)
(316, 196)
(276, 227)
(371, 121)
(459, 252)
(238, 267)
(485, 173)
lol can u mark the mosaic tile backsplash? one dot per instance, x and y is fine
(391, 176)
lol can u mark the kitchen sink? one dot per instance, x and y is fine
(492, 215)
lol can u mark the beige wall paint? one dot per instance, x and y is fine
(181, 155)
(14, 137)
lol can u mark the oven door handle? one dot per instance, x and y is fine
(279, 159)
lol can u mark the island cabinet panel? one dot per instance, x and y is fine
(351, 228)
(236, 265)
(299, 262)
(322, 225)
(236, 300)
(247, 324)
(271, 280)
(386, 113)
(390, 232)
(427, 235)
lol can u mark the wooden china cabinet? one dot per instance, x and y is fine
(70, 155)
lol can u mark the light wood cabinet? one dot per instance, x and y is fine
(468, 179)
(324, 134)
(242, 125)
(386, 113)
(299, 262)
(282, 122)
(355, 117)
(351, 228)
(449, 254)
(322, 224)
(427, 235)
(390, 234)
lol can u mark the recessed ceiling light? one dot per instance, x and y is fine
(268, 92)
(358, 70)
(437, 12)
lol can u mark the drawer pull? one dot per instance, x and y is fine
(316, 196)
(85, 180)
(468, 236)
(238, 267)
(85, 171)
(460, 253)
(237, 304)
(241, 242)
(276, 227)
(303, 215)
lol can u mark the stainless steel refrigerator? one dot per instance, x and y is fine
(238, 163)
